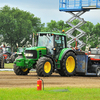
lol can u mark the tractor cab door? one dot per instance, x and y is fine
(59, 44)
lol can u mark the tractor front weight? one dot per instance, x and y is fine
(25, 63)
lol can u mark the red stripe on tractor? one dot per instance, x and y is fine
(94, 59)
(5, 56)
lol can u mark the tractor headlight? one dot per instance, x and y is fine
(28, 54)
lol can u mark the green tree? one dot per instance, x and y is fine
(95, 36)
(88, 28)
(52, 26)
(17, 25)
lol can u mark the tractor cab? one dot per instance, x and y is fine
(6, 49)
(54, 42)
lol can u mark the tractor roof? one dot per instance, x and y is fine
(52, 33)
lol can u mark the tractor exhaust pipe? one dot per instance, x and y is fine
(33, 40)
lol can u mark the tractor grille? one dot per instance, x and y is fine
(34, 52)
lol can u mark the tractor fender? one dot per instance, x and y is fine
(64, 51)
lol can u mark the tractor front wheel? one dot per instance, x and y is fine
(20, 71)
(69, 64)
(44, 66)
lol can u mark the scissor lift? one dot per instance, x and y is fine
(79, 6)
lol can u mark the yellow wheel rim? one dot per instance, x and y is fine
(47, 67)
(70, 64)
(24, 69)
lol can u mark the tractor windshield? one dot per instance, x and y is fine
(46, 41)
(19, 50)
(6, 49)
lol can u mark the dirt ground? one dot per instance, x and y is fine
(9, 79)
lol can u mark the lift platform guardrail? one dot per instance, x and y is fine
(78, 5)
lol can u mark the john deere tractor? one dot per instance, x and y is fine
(50, 53)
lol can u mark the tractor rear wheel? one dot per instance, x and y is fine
(69, 64)
(44, 66)
(12, 58)
(20, 71)
(1, 61)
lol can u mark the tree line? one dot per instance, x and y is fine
(17, 27)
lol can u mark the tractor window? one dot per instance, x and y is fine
(59, 43)
(46, 41)
(63, 41)
(19, 50)
(8, 49)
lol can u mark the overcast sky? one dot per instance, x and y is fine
(48, 10)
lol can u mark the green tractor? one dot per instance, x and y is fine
(14, 55)
(50, 54)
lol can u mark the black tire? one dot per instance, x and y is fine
(68, 64)
(12, 58)
(1, 61)
(20, 71)
(98, 72)
(41, 67)
(89, 64)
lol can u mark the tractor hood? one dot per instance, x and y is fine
(37, 52)
(36, 48)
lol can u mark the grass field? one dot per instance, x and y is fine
(49, 94)
(8, 66)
